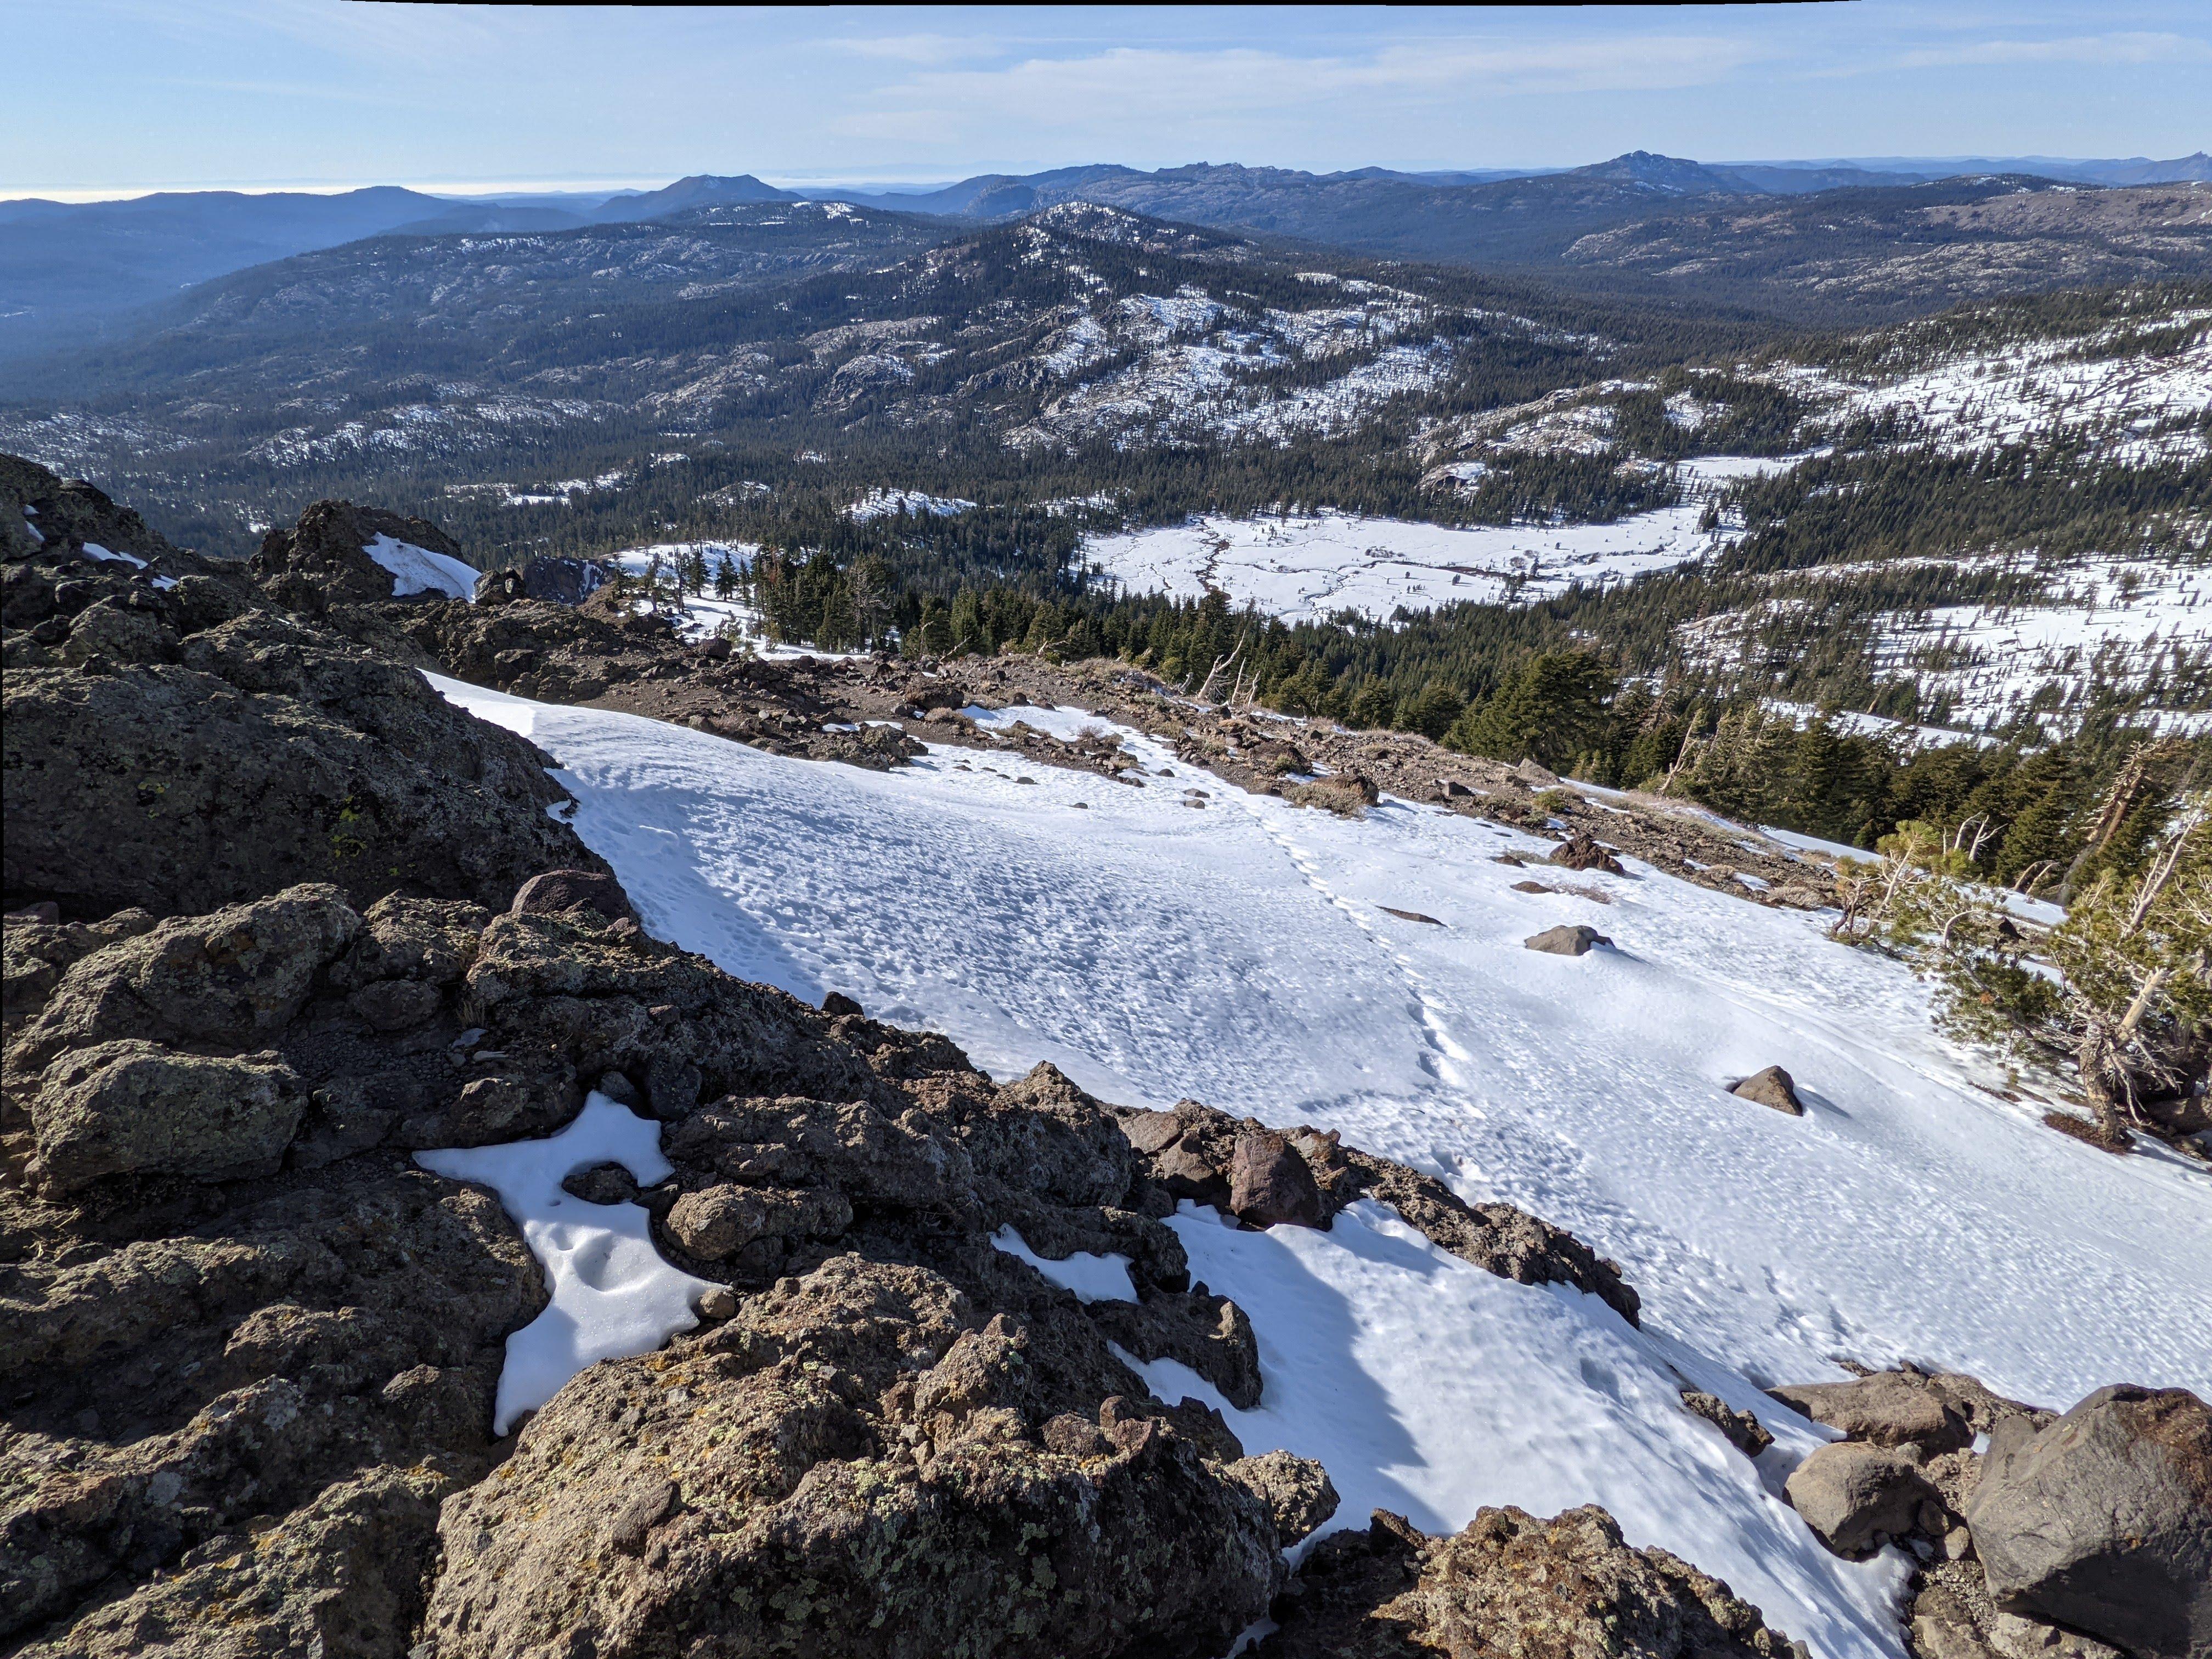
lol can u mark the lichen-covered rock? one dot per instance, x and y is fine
(720, 1221)
(1510, 1584)
(1297, 1490)
(315, 1327)
(856, 1468)
(39, 951)
(344, 1576)
(236, 976)
(241, 750)
(133, 1107)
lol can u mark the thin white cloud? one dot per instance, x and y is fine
(2135, 47)
(1109, 90)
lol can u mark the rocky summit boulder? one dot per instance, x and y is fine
(1566, 941)
(860, 1464)
(324, 561)
(1856, 1497)
(1771, 1086)
(2102, 1521)
(549, 894)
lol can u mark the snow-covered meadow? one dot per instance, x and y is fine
(1156, 942)
(1308, 568)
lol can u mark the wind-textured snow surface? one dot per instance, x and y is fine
(1310, 567)
(1237, 952)
(613, 1295)
(419, 570)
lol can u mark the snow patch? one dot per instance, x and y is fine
(1091, 1278)
(1311, 567)
(94, 551)
(613, 1295)
(419, 570)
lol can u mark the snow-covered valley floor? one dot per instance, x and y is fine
(1235, 950)
(1310, 567)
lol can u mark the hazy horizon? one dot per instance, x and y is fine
(323, 96)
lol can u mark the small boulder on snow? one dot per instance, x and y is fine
(1856, 1496)
(1581, 852)
(2102, 1522)
(1772, 1087)
(1564, 941)
(1269, 1184)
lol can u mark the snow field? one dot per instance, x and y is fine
(1310, 567)
(1238, 953)
(613, 1294)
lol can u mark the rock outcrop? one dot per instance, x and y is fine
(178, 748)
(2102, 1521)
(1576, 941)
(1510, 1584)
(321, 562)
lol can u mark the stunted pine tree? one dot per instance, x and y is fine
(2122, 996)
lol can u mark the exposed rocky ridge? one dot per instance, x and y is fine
(599, 655)
(249, 1348)
(179, 747)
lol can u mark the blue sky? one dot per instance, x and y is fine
(116, 96)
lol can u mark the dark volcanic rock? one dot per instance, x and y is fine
(268, 754)
(133, 1107)
(1509, 1584)
(556, 891)
(855, 1465)
(2103, 1521)
(341, 1577)
(319, 561)
(315, 1328)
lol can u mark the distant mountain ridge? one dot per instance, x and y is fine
(73, 274)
